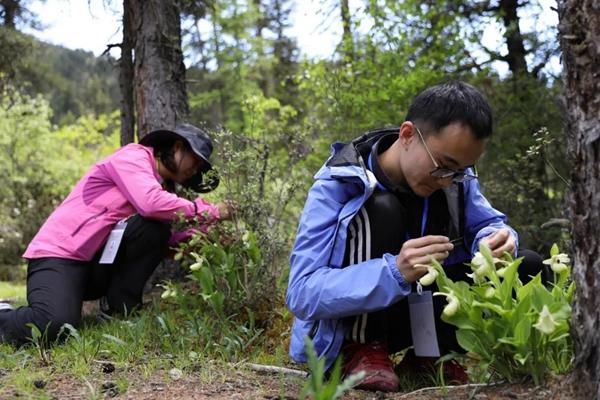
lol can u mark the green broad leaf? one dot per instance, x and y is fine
(554, 250)
(560, 311)
(540, 296)
(114, 339)
(487, 254)
(559, 337)
(570, 291)
(489, 306)
(460, 320)
(522, 331)
(526, 289)
(508, 283)
(470, 341)
(206, 279)
(520, 312)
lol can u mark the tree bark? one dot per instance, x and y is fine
(514, 40)
(579, 29)
(347, 41)
(10, 10)
(160, 94)
(126, 76)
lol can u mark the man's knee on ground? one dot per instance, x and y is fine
(531, 266)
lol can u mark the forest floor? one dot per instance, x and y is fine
(240, 383)
(132, 359)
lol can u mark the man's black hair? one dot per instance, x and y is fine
(454, 101)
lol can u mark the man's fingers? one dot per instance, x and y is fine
(496, 239)
(508, 246)
(431, 249)
(426, 241)
(426, 260)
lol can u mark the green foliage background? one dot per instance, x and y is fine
(275, 114)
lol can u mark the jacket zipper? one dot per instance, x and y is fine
(88, 220)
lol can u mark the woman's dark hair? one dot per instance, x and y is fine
(165, 152)
(454, 101)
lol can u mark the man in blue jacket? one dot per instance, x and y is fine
(380, 205)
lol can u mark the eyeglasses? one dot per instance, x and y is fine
(462, 175)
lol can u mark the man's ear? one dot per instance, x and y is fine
(406, 134)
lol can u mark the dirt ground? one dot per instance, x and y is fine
(241, 383)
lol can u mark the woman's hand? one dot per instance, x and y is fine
(227, 209)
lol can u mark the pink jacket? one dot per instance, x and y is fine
(123, 184)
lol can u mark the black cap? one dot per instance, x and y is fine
(200, 143)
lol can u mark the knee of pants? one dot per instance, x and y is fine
(50, 324)
(153, 232)
(531, 265)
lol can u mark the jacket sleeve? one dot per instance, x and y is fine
(132, 171)
(318, 290)
(482, 219)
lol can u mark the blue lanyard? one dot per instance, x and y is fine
(425, 201)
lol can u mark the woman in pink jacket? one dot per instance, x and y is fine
(110, 233)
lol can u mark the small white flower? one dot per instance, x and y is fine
(479, 265)
(196, 266)
(478, 260)
(501, 272)
(429, 277)
(558, 262)
(546, 323)
(453, 303)
(489, 293)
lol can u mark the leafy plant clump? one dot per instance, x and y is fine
(517, 330)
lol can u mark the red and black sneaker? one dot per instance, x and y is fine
(373, 359)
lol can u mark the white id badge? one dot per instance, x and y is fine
(422, 324)
(112, 244)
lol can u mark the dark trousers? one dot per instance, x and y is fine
(56, 287)
(382, 225)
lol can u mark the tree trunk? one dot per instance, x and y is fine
(514, 40)
(347, 41)
(579, 29)
(10, 9)
(126, 76)
(160, 95)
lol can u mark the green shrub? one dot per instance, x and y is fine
(41, 163)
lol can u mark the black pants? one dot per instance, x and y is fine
(56, 287)
(381, 224)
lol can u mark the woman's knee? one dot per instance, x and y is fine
(50, 324)
(153, 232)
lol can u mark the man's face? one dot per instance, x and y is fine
(454, 147)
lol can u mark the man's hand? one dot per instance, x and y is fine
(420, 251)
(499, 242)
